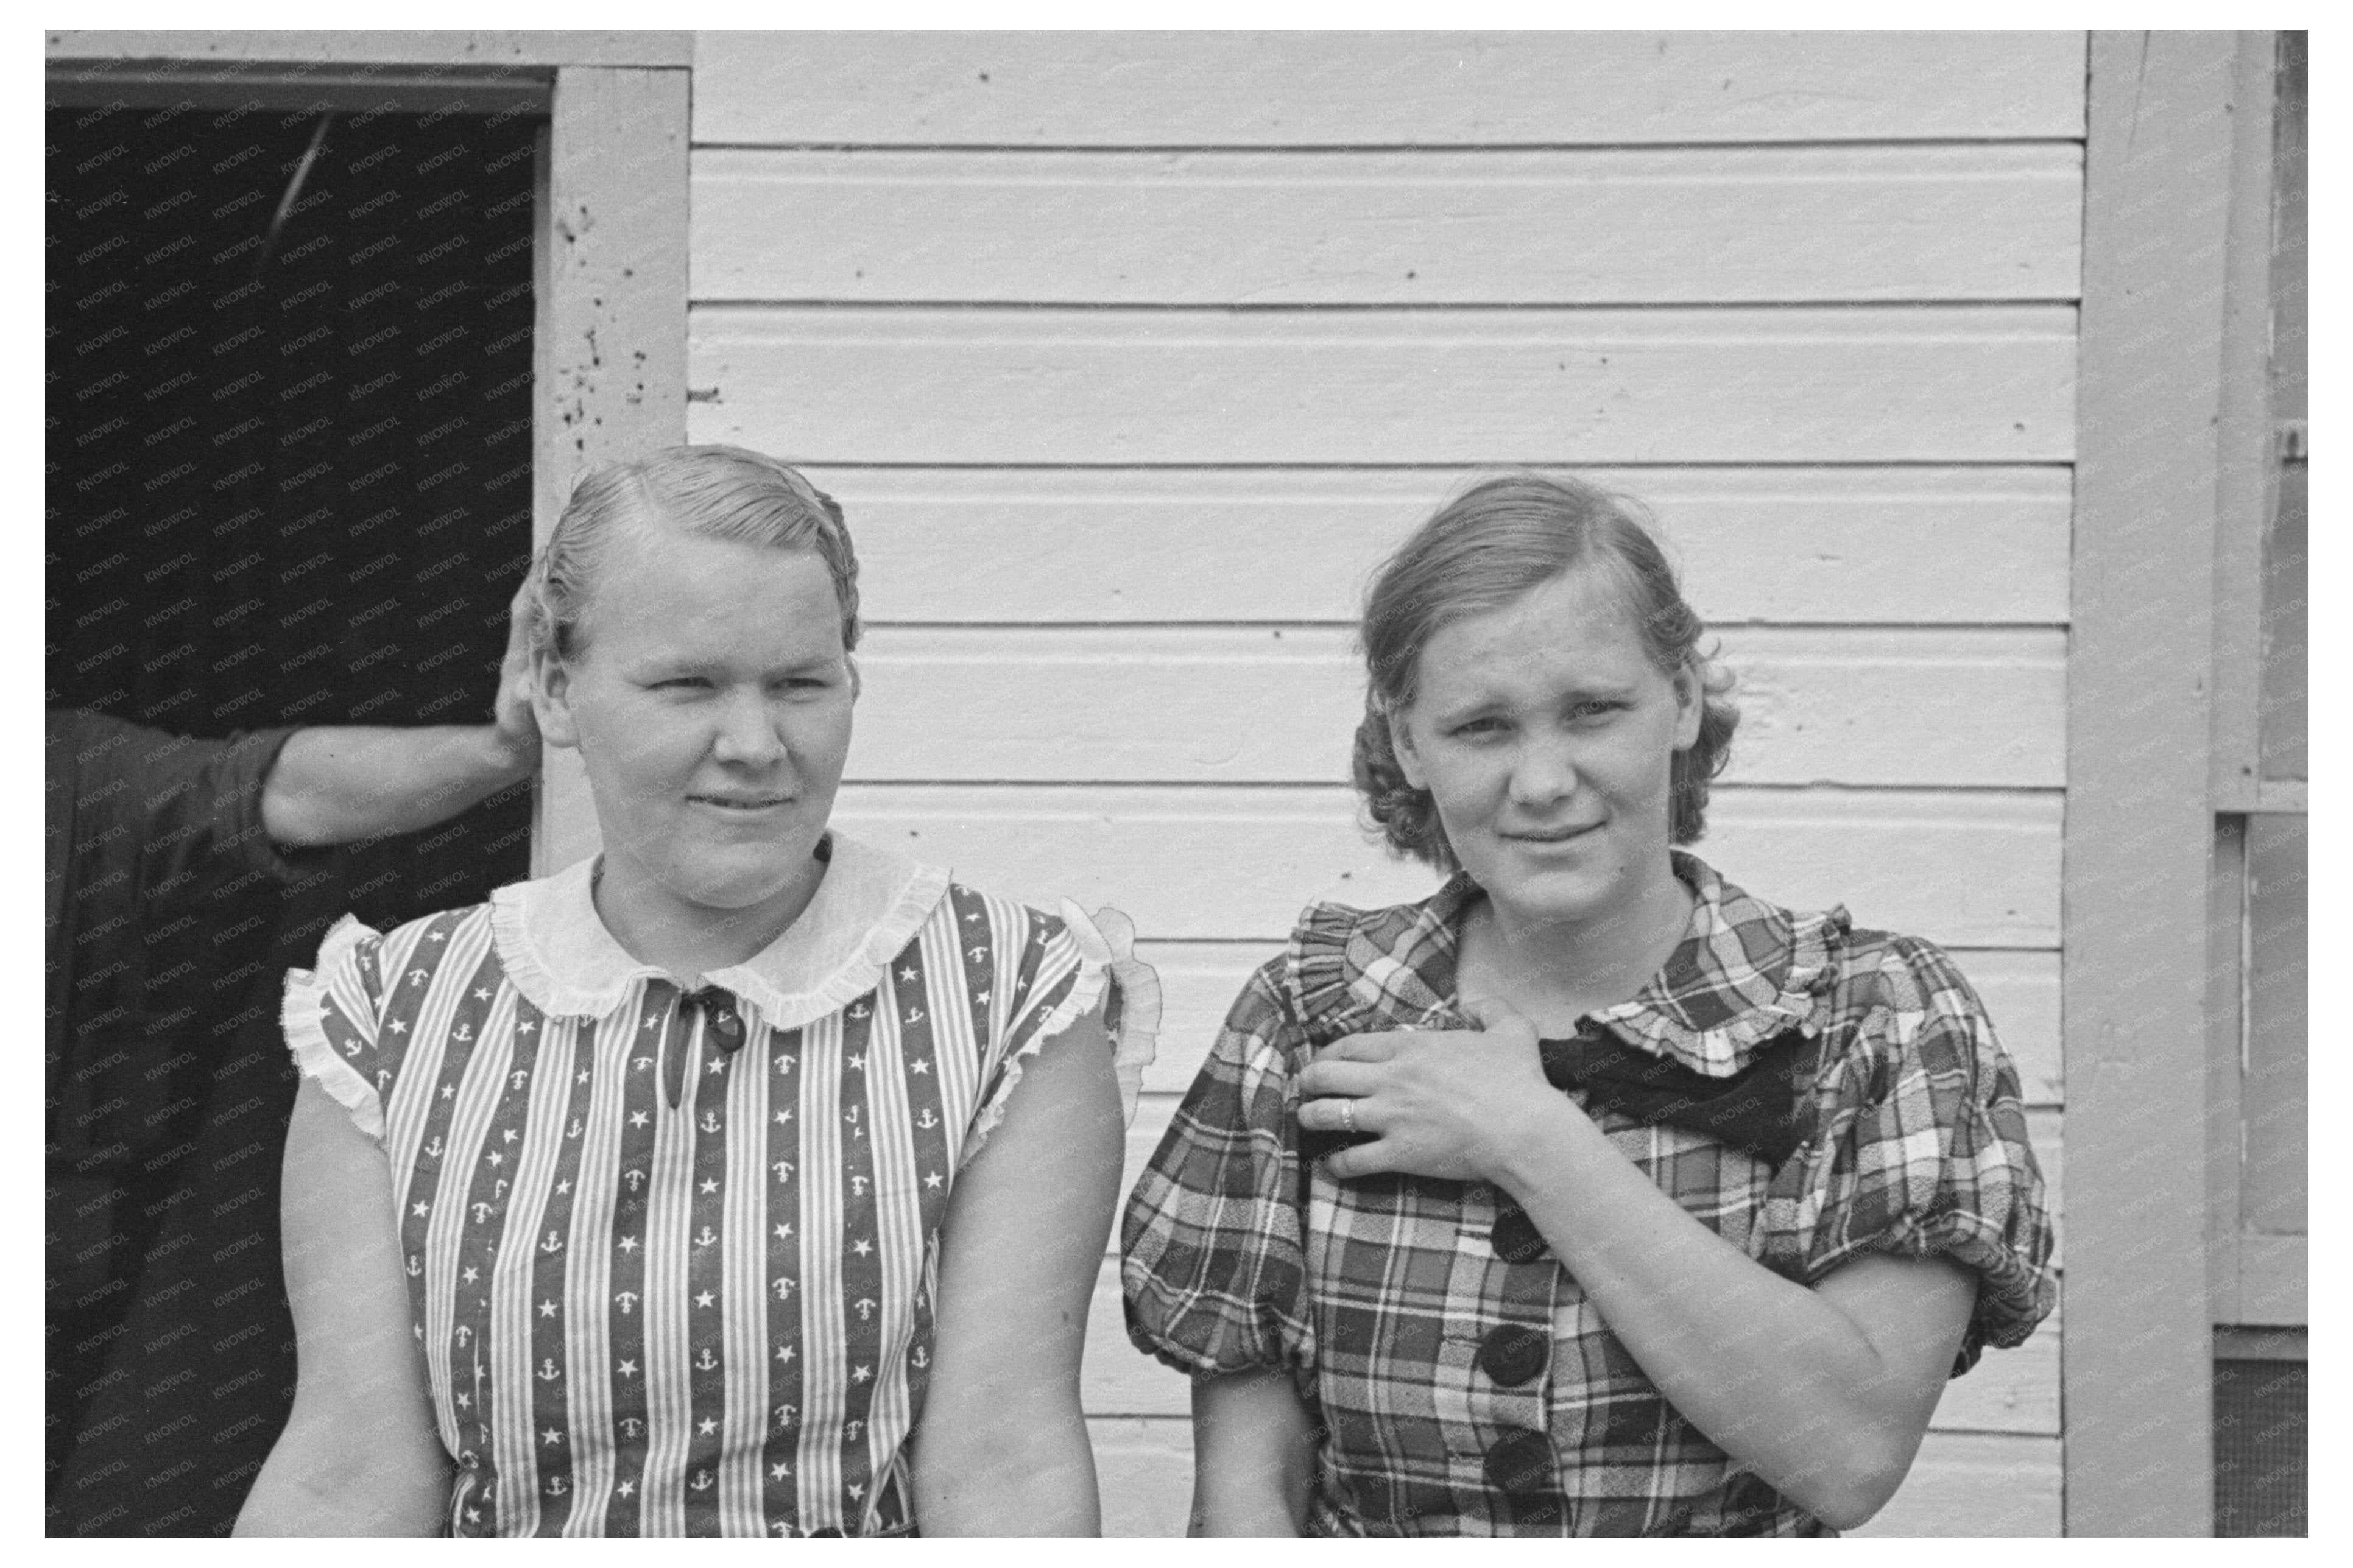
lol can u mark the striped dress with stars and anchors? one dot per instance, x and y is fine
(672, 1253)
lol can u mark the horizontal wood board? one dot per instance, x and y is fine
(1967, 868)
(1968, 1484)
(1200, 980)
(1888, 546)
(1864, 384)
(1665, 225)
(1215, 705)
(1343, 89)
(1960, 1484)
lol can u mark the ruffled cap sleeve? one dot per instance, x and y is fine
(332, 1017)
(1073, 963)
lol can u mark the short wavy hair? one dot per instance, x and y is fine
(1497, 541)
(712, 492)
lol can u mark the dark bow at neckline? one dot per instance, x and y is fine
(1765, 1109)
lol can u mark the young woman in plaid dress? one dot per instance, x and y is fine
(688, 1191)
(1592, 1195)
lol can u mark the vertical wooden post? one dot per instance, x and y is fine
(2138, 1361)
(612, 355)
(2247, 454)
(2246, 501)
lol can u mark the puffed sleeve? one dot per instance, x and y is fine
(1926, 1153)
(333, 1018)
(1069, 965)
(1212, 1266)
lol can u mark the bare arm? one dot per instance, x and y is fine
(359, 1455)
(1824, 1391)
(1003, 1446)
(340, 784)
(1253, 1456)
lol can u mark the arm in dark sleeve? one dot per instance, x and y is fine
(152, 813)
(201, 802)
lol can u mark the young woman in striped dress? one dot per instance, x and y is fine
(743, 1179)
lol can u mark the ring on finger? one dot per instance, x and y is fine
(1348, 1116)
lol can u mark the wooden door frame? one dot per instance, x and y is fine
(610, 223)
(2172, 450)
(2257, 1283)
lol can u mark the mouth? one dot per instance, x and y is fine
(1549, 835)
(742, 804)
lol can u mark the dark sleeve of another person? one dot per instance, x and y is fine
(199, 806)
(143, 828)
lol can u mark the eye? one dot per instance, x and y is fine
(680, 683)
(1478, 728)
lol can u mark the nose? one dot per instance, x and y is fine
(1544, 771)
(748, 735)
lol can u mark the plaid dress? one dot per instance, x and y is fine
(1461, 1381)
(672, 1255)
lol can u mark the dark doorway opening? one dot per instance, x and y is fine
(289, 370)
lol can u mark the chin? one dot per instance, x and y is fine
(1563, 895)
(741, 883)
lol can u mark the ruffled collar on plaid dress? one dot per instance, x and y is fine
(1746, 972)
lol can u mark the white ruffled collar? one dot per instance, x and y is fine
(872, 903)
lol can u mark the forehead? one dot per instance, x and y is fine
(1578, 625)
(662, 592)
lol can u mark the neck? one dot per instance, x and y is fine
(1556, 971)
(655, 926)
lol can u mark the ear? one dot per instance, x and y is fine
(551, 700)
(849, 661)
(1690, 704)
(1401, 742)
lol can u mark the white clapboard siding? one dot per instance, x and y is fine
(1967, 868)
(1380, 89)
(1893, 546)
(1144, 1473)
(1669, 226)
(1269, 705)
(1199, 980)
(2012, 1391)
(1863, 383)
(1132, 354)
(1969, 1484)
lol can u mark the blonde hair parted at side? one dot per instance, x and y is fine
(1503, 538)
(713, 492)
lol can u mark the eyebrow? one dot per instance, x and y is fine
(704, 663)
(1597, 691)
